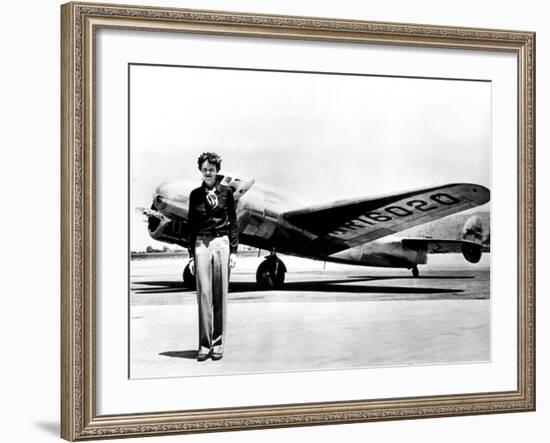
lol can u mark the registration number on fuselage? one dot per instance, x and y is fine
(409, 208)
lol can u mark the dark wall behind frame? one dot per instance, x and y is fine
(78, 393)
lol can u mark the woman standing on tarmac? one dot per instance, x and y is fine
(213, 244)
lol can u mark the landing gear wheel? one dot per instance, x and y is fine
(271, 273)
(189, 281)
(415, 272)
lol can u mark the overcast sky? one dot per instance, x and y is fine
(322, 137)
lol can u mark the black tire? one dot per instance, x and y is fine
(271, 274)
(189, 281)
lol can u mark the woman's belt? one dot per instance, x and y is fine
(213, 234)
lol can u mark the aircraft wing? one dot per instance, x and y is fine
(354, 222)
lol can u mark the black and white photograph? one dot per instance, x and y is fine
(284, 220)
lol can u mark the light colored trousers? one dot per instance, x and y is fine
(212, 275)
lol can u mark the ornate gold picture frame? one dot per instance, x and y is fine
(80, 390)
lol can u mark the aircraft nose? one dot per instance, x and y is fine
(159, 201)
(172, 197)
(162, 195)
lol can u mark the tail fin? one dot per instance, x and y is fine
(473, 230)
(472, 234)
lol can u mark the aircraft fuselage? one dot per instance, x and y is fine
(261, 225)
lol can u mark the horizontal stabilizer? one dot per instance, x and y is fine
(437, 246)
(470, 250)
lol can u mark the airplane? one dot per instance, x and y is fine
(360, 231)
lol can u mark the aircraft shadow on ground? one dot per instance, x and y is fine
(191, 354)
(329, 286)
(335, 286)
(160, 287)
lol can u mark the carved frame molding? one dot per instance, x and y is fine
(79, 22)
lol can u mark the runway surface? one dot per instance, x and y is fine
(325, 317)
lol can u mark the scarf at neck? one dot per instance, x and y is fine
(211, 197)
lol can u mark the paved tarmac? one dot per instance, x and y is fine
(325, 317)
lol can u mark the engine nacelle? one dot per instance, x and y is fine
(471, 252)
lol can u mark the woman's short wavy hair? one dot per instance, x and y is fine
(212, 158)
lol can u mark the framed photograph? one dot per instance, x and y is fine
(277, 221)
